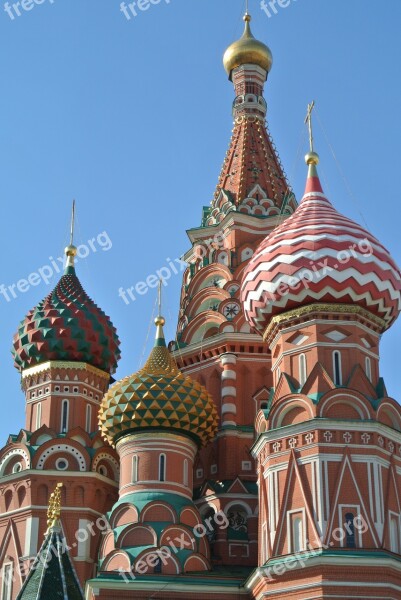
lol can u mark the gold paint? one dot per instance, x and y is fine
(54, 510)
(327, 308)
(247, 50)
(55, 364)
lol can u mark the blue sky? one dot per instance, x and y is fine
(133, 119)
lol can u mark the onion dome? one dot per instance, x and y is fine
(318, 255)
(158, 397)
(67, 326)
(247, 51)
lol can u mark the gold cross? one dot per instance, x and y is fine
(72, 224)
(308, 120)
(159, 297)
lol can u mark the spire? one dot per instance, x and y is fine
(160, 321)
(312, 158)
(71, 250)
(251, 159)
(52, 574)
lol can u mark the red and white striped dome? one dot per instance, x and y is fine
(318, 255)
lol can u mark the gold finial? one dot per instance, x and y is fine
(247, 50)
(159, 321)
(312, 158)
(71, 250)
(54, 510)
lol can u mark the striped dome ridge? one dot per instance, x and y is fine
(67, 326)
(159, 397)
(319, 255)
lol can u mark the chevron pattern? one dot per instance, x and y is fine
(320, 255)
(67, 326)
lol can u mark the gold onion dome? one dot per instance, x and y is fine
(160, 397)
(247, 51)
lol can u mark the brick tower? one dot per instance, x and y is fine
(66, 350)
(215, 344)
(157, 419)
(322, 290)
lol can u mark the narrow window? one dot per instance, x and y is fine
(7, 586)
(394, 535)
(64, 416)
(158, 566)
(135, 464)
(185, 477)
(338, 379)
(302, 369)
(162, 467)
(297, 535)
(38, 415)
(88, 417)
(350, 530)
(368, 368)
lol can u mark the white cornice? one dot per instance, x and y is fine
(326, 424)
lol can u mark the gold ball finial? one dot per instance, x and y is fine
(71, 251)
(160, 321)
(247, 18)
(312, 158)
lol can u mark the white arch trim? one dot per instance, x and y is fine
(350, 401)
(286, 407)
(62, 448)
(10, 455)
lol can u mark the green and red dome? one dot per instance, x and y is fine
(67, 326)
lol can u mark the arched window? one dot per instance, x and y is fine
(350, 530)
(185, 475)
(158, 566)
(64, 416)
(238, 523)
(38, 415)
(338, 378)
(303, 374)
(7, 584)
(297, 534)
(88, 418)
(162, 467)
(368, 368)
(135, 464)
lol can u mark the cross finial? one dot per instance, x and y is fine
(308, 120)
(247, 7)
(160, 320)
(72, 224)
(71, 250)
(159, 297)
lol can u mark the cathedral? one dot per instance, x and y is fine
(257, 455)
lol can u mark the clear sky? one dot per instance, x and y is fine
(133, 119)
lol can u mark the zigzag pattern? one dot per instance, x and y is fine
(318, 254)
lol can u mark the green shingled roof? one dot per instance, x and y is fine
(52, 576)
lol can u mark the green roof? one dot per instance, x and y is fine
(52, 576)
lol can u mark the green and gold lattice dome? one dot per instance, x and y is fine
(158, 396)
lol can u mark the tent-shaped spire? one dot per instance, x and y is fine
(52, 576)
